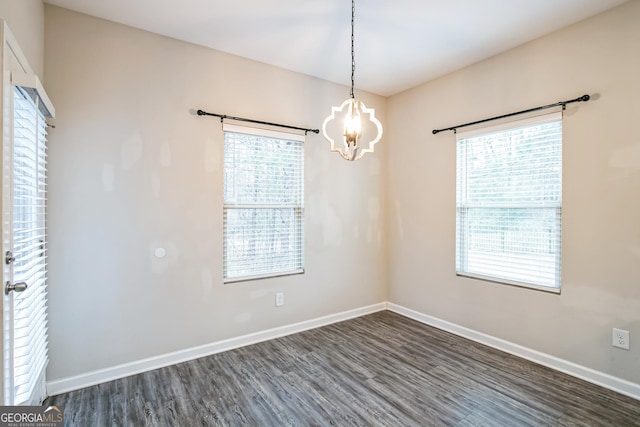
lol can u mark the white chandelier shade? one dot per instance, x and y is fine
(345, 129)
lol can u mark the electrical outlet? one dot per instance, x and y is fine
(279, 299)
(620, 338)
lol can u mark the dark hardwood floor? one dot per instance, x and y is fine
(378, 370)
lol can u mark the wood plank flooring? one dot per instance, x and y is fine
(378, 370)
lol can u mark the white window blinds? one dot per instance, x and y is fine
(263, 203)
(29, 248)
(509, 202)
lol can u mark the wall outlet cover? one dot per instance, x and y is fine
(620, 338)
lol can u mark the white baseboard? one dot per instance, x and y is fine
(64, 385)
(591, 375)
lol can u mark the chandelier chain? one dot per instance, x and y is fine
(353, 57)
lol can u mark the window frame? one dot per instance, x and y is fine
(462, 230)
(232, 203)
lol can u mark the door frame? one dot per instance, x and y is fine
(13, 62)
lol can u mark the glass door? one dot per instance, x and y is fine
(27, 291)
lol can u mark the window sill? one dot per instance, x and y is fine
(262, 276)
(510, 282)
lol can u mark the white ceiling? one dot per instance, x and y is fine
(399, 44)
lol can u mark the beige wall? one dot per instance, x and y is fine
(26, 21)
(601, 211)
(131, 169)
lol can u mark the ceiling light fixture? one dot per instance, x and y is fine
(351, 112)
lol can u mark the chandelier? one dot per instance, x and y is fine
(355, 140)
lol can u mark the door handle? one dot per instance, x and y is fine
(18, 287)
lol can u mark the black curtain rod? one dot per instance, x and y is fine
(583, 98)
(224, 116)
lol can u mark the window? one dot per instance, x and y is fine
(509, 202)
(263, 203)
